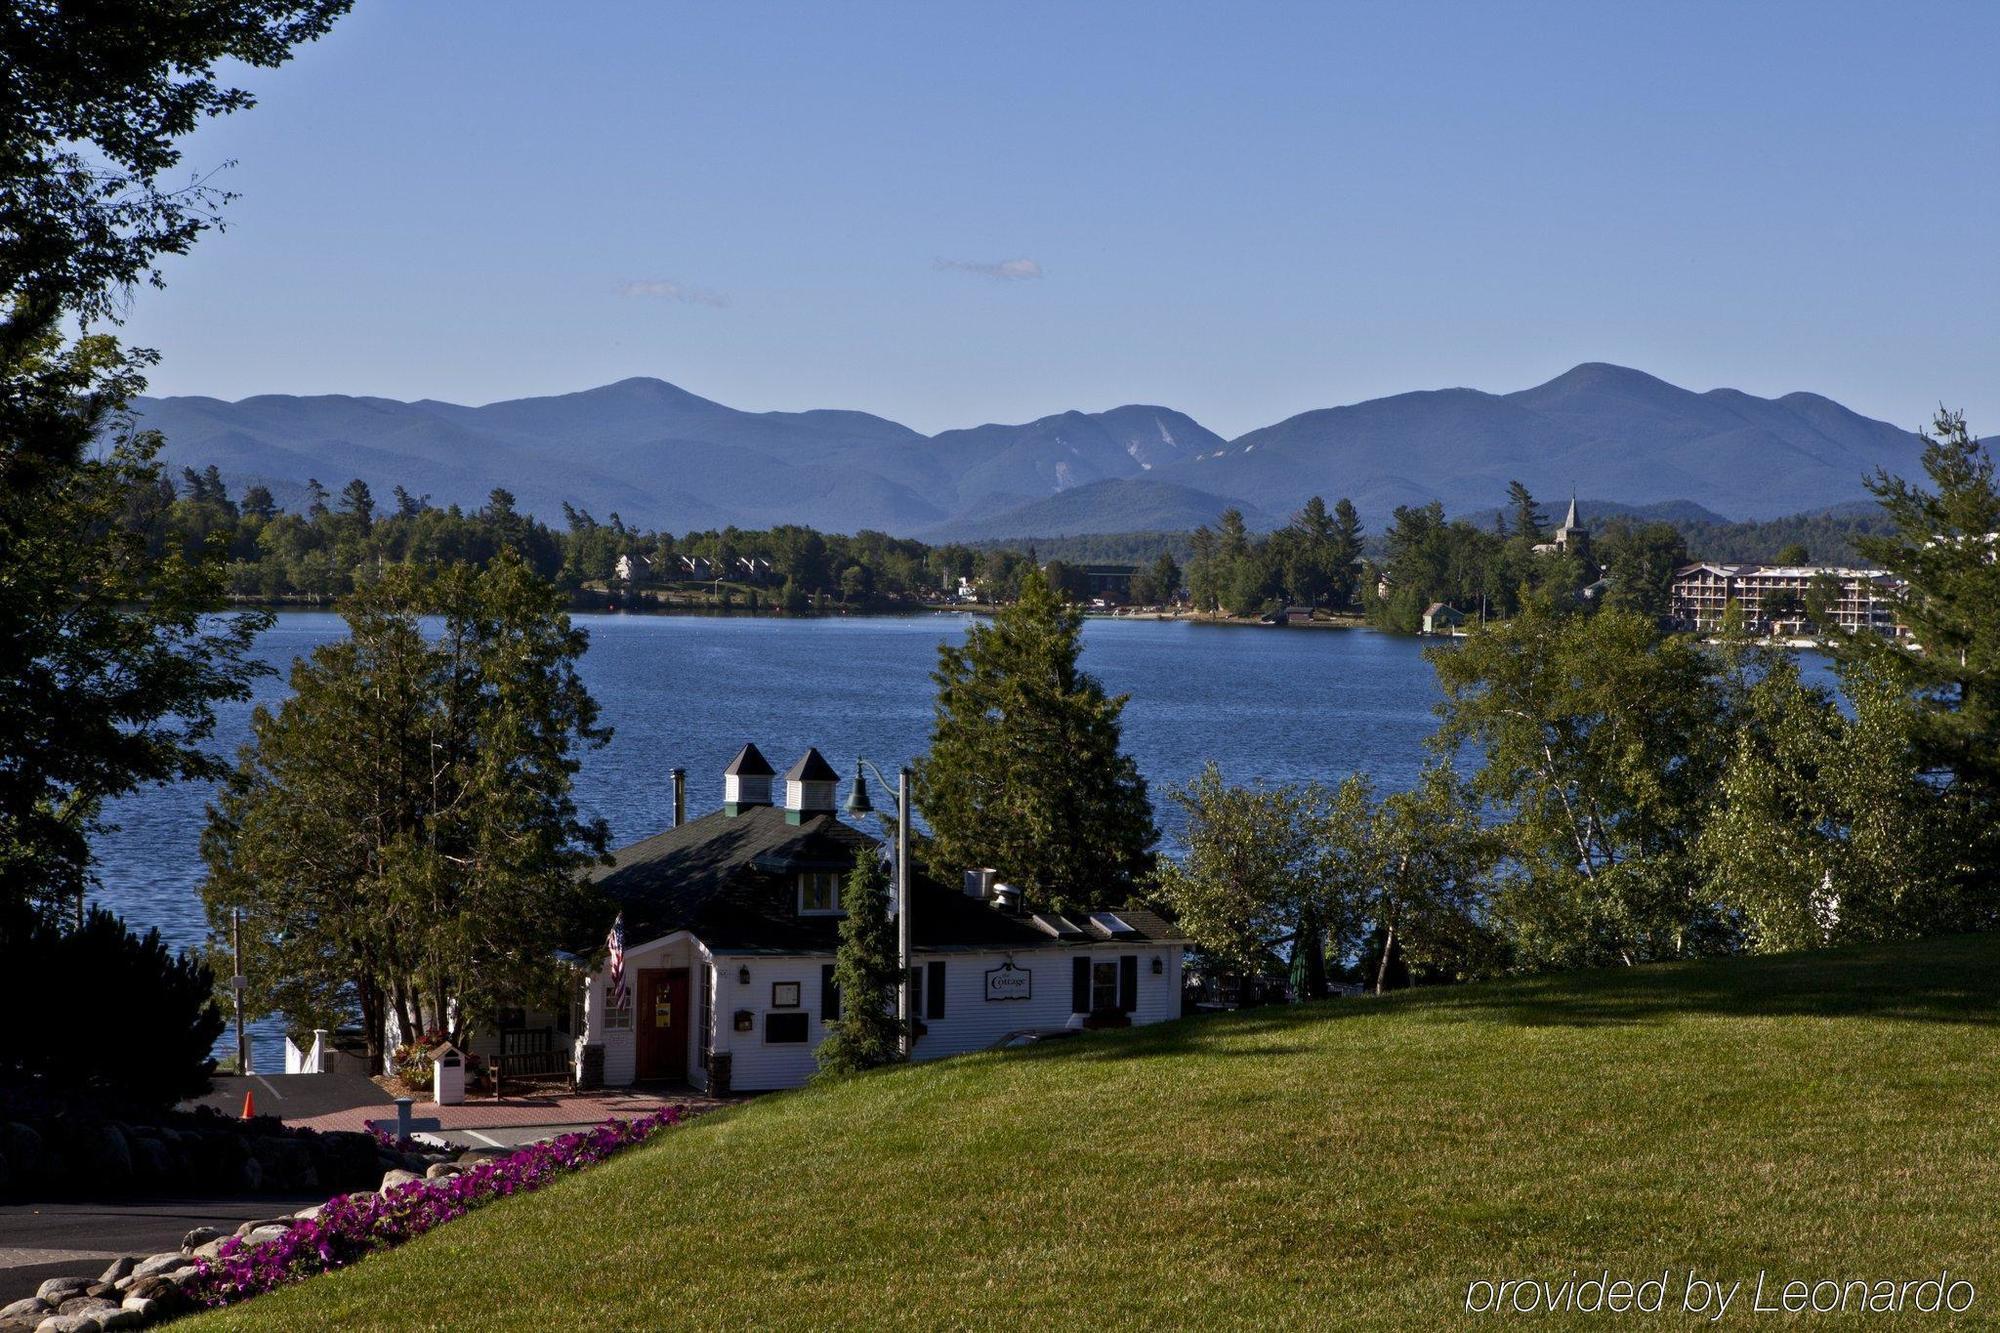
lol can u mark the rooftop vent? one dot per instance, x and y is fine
(979, 883)
(1006, 898)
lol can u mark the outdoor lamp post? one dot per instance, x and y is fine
(858, 804)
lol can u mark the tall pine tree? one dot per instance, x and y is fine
(1025, 771)
(864, 976)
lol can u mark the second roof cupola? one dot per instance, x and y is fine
(809, 788)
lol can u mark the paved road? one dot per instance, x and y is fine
(44, 1240)
(298, 1096)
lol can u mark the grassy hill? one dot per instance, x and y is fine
(1348, 1164)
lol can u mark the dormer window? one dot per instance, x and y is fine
(819, 893)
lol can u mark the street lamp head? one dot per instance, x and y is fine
(857, 797)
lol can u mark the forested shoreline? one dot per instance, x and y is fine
(1323, 558)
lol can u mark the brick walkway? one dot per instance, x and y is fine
(538, 1109)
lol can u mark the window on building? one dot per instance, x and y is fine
(1103, 984)
(819, 893)
(617, 1017)
(784, 1029)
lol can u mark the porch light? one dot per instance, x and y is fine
(1159, 965)
(743, 974)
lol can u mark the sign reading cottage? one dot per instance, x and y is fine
(731, 922)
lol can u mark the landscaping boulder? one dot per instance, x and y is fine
(150, 1288)
(25, 1307)
(154, 1164)
(87, 1305)
(69, 1323)
(439, 1170)
(264, 1235)
(210, 1250)
(261, 1223)
(161, 1263)
(59, 1289)
(120, 1268)
(199, 1237)
(27, 1156)
(391, 1179)
(104, 1157)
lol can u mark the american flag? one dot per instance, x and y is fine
(615, 942)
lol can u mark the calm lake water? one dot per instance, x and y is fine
(1269, 704)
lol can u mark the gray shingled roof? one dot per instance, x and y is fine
(731, 881)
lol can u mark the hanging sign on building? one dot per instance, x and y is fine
(1008, 982)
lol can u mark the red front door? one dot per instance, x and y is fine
(661, 1020)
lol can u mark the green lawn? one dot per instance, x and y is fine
(1349, 1164)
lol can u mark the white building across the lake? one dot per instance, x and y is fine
(731, 922)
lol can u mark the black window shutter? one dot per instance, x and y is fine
(829, 995)
(1079, 986)
(1128, 983)
(934, 992)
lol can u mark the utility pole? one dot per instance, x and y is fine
(237, 984)
(906, 953)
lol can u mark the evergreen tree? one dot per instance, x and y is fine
(1346, 550)
(1025, 772)
(1527, 518)
(1946, 548)
(401, 832)
(865, 972)
(358, 503)
(1641, 563)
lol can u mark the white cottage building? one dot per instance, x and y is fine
(732, 920)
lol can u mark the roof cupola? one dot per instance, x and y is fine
(809, 788)
(746, 783)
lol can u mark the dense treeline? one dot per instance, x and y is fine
(1602, 790)
(1312, 561)
(344, 542)
(1323, 558)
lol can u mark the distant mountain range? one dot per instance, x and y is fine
(662, 457)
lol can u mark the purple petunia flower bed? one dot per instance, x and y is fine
(355, 1225)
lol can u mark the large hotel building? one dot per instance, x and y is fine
(1774, 597)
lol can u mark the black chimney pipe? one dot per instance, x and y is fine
(680, 796)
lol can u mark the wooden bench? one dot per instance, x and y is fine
(532, 1055)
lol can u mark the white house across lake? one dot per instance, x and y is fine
(731, 922)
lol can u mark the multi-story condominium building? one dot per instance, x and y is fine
(1774, 597)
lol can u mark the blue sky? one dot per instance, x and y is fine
(955, 213)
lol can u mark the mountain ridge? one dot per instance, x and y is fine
(661, 455)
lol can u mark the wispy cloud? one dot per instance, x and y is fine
(1006, 270)
(666, 289)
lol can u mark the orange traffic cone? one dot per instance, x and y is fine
(249, 1104)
